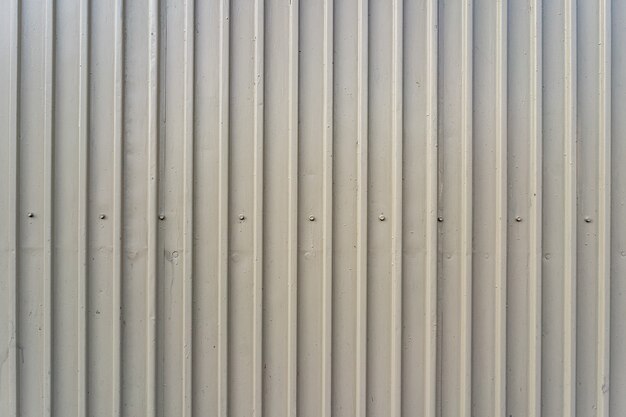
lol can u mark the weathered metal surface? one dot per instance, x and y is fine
(374, 208)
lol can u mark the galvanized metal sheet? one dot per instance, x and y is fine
(312, 208)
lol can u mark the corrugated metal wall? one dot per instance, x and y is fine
(313, 208)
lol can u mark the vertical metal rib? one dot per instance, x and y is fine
(396, 204)
(430, 340)
(465, 345)
(569, 215)
(500, 261)
(604, 208)
(534, 255)
(361, 215)
(153, 182)
(292, 239)
(83, 156)
(224, 121)
(259, 114)
(118, 120)
(188, 203)
(9, 395)
(48, 129)
(327, 202)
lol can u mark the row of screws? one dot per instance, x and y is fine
(311, 217)
(101, 216)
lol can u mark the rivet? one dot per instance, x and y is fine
(103, 216)
(518, 219)
(312, 218)
(587, 219)
(440, 219)
(31, 214)
(161, 216)
(242, 217)
(381, 217)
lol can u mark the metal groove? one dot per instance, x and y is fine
(223, 197)
(430, 339)
(188, 214)
(361, 212)
(83, 203)
(396, 208)
(153, 198)
(501, 139)
(535, 193)
(570, 211)
(327, 209)
(604, 209)
(48, 169)
(259, 113)
(465, 341)
(292, 192)
(118, 168)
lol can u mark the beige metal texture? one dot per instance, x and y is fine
(320, 208)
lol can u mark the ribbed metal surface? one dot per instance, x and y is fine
(324, 208)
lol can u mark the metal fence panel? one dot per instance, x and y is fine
(375, 208)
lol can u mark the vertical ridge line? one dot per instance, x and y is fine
(604, 208)
(534, 261)
(153, 195)
(430, 340)
(292, 239)
(48, 114)
(259, 114)
(465, 345)
(9, 397)
(83, 201)
(223, 196)
(361, 215)
(396, 204)
(118, 120)
(327, 203)
(570, 212)
(501, 209)
(188, 202)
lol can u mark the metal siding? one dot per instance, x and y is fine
(321, 208)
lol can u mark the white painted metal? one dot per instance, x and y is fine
(313, 208)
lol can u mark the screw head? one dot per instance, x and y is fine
(311, 218)
(440, 219)
(518, 219)
(242, 217)
(161, 216)
(381, 217)
(587, 219)
(103, 216)
(31, 214)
